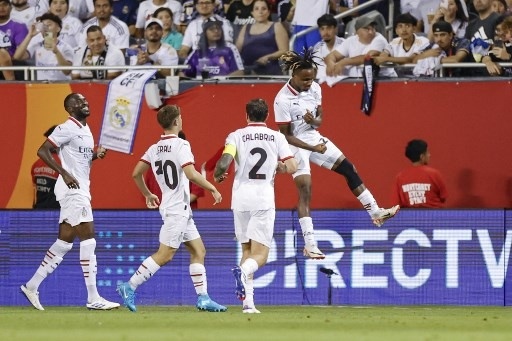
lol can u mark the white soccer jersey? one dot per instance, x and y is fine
(76, 147)
(26, 16)
(71, 27)
(258, 150)
(321, 50)
(396, 47)
(195, 28)
(165, 55)
(114, 57)
(308, 11)
(147, 8)
(115, 31)
(290, 107)
(167, 159)
(45, 57)
(352, 47)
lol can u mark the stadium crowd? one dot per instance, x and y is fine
(247, 37)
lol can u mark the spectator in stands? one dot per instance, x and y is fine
(126, 11)
(205, 10)
(482, 27)
(44, 179)
(446, 48)
(262, 43)
(170, 35)
(47, 48)
(22, 12)
(305, 14)
(214, 56)
(453, 12)
(419, 185)
(116, 31)
(71, 25)
(499, 6)
(148, 7)
(424, 11)
(97, 52)
(402, 49)
(349, 56)
(154, 52)
(188, 13)
(12, 32)
(239, 14)
(5, 60)
(328, 28)
(501, 49)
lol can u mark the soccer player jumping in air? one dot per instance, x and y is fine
(298, 113)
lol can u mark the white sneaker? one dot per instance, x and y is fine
(32, 297)
(102, 304)
(313, 252)
(384, 214)
(250, 310)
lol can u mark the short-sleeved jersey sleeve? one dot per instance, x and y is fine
(60, 136)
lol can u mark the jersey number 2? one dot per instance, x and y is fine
(162, 168)
(253, 173)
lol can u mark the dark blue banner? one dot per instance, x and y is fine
(456, 257)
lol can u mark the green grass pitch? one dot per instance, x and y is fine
(294, 323)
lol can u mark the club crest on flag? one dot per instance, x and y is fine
(120, 115)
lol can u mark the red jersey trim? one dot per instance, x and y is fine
(77, 122)
(166, 137)
(148, 163)
(186, 164)
(53, 143)
(286, 158)
(291, 89)
(257, 124)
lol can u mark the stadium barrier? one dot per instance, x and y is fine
(421, 257)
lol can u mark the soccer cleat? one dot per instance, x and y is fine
(250, 310)
(102, 304)
(205, 303)
(240, 281)
(128, 295)
(32, 297)
(313, 252)
(384, 214)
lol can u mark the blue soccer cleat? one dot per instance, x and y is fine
(128, 295)
(205, 303)
(240, 280)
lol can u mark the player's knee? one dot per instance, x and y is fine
(347, 169)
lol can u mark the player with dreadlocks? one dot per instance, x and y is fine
(298, 113)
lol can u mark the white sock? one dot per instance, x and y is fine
(51, 260)
(89, 268)
(249, 291)
(366, 199)
(306, 225)
(249, 266)
(147, 269)
(198, 275)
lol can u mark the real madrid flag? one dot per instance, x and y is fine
(122, 108)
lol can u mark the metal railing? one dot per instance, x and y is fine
(389, 28)
(29, 71)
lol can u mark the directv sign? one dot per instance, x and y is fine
(457, 257)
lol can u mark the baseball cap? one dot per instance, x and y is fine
(364, 22)
(8, 1)
(442, 26)
(154, 21)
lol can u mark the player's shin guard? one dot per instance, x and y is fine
(50, 262)
(89, 268)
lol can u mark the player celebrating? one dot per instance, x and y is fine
(172, 162)
(298, 113)
(76, 152)
(258, 152)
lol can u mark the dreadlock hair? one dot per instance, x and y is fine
(292, 61)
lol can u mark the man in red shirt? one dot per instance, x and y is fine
(419, 186)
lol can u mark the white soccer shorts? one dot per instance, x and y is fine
(75, 209)
(255, 225)
(178, 229)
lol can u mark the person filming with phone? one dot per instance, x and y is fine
(42, 43)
